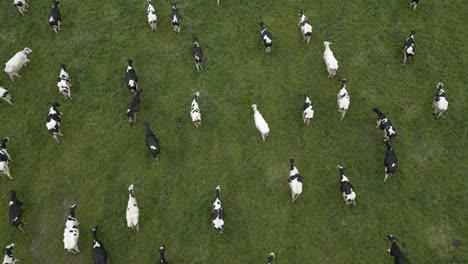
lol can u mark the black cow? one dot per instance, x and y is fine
(162, 260)
(197, 55)
(271, 257)
(99, 252)
(15, 212)
(134, 107)
(265, 36)
(131, 78)
(175, 18)
(396, 252)
(55, 18)
(390, 160)
(409, 49)
(53, 121)
(152, 142)
(384, 124)
(346, 188)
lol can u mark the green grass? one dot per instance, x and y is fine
(424, 204)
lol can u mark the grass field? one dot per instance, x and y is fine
(424, 204)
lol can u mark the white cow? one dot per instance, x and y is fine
(342, 98)
(21, 5)
(295, 180)
(5, 95)
(260, 123)
(152, 17)
(440, 103)
(308, 112)
(133, 212)
(71, 234)
(15, 64)
(9, 258)
(195, 110)
(330, 61)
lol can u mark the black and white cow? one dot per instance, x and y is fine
(384, 124)
(308, 112)
(342, 98)
(9, 258)
(5, 95)
(64, 83)
(414, 4)
(175, 18)
(395, 251)
(152, 142)
(15, 212)
(162, 260)
(21, 5)
(440, 103)
(409, 49)
(131, 78)
(390, 160)
(195, 110)
(197, 55)
(71, 234)
(305, 26)
(53, 121)
(346, 188)
(151, 14)
(4, 158)
(294, 180)
(99, 252)
(271, 257)
(134, 107)
(217, 214)
(55, 18)
(133, 212)
(265, 36)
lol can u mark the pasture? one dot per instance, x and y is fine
(100, 155)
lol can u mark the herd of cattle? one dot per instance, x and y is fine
(71, 232)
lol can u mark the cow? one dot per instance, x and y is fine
(133, 212)
(305, 26)
(131, 78)
(308, 112)
(197, 54)
(15, 212)
(346, 188)
(409, 49)
(395, 251)
(390, 160)
(4, 158)
(21, 5)
(440, 103)
(64, 83)
(152, 17)
(260, 123)
(265, 36)
(152, 143)
(53, 121)
(175, 18)
(414, 4)
(384, 124)
(217, 213)
(134, 107)
(294, 180)
(99, 252)
(342, 98)
(195, 111)
(71, 234)
(17, 62)
(271, 257)
(162, 260)
(55, 18)
(9, 258)
(330, 61)
(5, 95)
